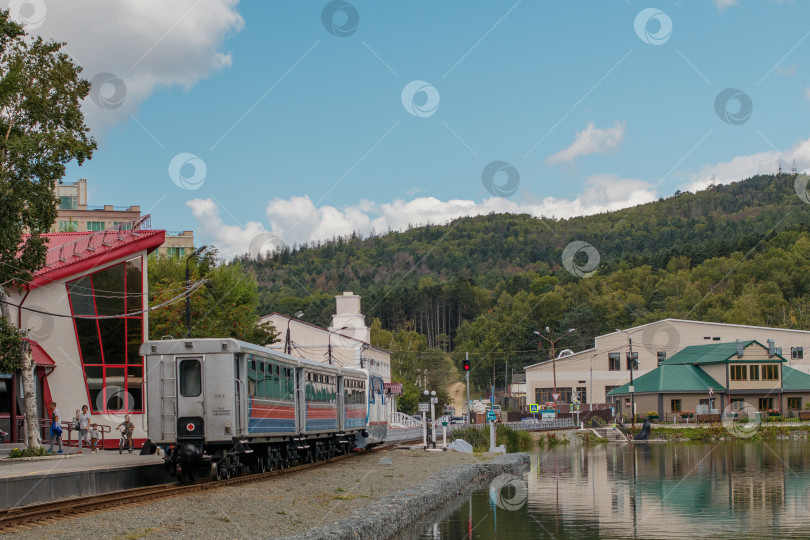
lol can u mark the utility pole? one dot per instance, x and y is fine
(632, 364)
(467, 373)
(552, 341)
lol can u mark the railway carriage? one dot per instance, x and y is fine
(220, 405)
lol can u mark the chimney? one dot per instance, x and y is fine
(739, 348)
(771, 350)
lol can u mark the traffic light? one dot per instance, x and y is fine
(466, 365)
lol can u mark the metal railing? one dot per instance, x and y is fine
(402, 420)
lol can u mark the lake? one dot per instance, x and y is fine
(749, 489)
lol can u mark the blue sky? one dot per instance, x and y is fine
(303, 134)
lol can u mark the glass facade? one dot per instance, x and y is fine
(113, 369)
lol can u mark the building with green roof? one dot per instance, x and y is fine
(712, 376)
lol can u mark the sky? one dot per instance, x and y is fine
(263, 123)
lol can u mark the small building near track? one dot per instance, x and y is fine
(87, 314)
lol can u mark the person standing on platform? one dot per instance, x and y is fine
(83, 424)
(56, 429)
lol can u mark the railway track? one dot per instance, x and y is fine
(15, 517)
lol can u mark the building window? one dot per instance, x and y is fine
(614, 361)
(70, 202)
(175, 252)
(113, 367)
(583, 394)
(794, 403)
(739, 373)
(632, 361)
(127, 225)
(68, 226)
(662, 355)
(95, 226)
(753, 373)
(797, 353)
(765, 403)
(609, 389)
(770, 373)
(675, 405)
(544, 395)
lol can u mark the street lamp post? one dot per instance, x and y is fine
(330, 340)
(287, 343)
(633, 366)
(553, 360)
(196, 253)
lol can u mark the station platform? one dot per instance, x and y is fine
(38, 480)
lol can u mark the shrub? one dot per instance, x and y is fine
(478, 437)
(26, 452)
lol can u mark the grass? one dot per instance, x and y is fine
(478, 437)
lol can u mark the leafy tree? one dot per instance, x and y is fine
(41, 130)
(226, 306)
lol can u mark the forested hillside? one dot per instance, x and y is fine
(737, 253)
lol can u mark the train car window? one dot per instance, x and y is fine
(190, 378)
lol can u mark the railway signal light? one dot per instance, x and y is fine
(466, 365)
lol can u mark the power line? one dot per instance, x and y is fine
(174, 300)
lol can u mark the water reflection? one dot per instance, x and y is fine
(655, 490)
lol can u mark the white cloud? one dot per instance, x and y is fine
(591, 140)
(146, 43)
(742, 167)
(788, 71)
(807, 93)
(723, 4)
(230, 240)
(297, 220)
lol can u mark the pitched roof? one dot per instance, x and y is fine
(72, 253)
(793, 379)
(39, 355)
(671, 378)
(713, 353)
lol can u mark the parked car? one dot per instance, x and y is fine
(457, 420)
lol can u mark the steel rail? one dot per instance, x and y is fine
(63, 508)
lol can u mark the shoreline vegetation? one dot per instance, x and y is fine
(695, 433)
(478, 437)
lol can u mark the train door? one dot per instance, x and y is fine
(191, 399)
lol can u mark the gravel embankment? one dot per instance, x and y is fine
(355, 490)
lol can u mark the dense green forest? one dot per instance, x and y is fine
(737, 253)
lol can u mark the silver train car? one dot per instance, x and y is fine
(219, 406)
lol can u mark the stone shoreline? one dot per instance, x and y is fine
(389, 515)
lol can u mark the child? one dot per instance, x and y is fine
(94, 435)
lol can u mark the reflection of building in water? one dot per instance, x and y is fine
(627, 490)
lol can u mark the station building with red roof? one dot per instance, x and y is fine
(87, 315)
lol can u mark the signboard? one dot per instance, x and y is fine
(491, 417)
(534, 408)
(556, 396)
(424, 407)
(492, 398)
(548, 415)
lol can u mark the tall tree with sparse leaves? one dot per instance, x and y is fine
(42, 129)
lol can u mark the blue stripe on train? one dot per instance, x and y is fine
(270, 425)
(355, 422)
(317, 425)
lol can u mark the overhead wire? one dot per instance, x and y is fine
(171, 301)
(93, 290)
